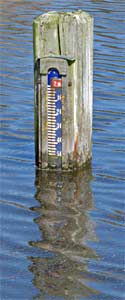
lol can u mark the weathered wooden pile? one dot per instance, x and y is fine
(64, 41)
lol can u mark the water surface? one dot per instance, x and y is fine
(62, 236)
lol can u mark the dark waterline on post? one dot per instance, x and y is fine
(62, 234)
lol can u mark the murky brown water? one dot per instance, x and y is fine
(62, 235)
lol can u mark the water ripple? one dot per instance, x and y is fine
(62, 236)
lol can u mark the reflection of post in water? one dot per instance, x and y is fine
(65, 227)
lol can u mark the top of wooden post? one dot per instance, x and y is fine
(53, 22)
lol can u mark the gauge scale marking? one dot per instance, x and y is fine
(54, 113)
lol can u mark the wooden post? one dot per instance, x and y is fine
(63, 42)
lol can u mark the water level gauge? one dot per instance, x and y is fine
(54, 113)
